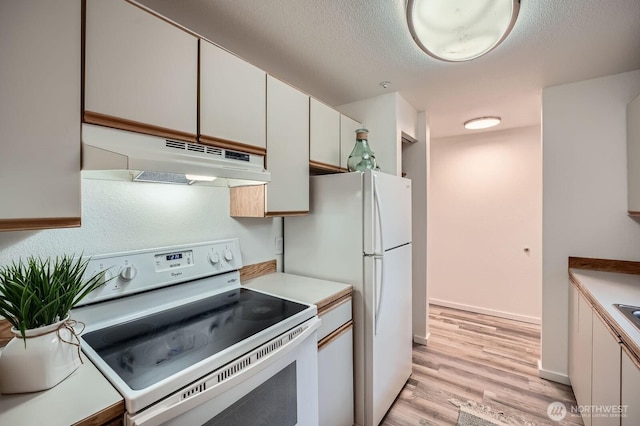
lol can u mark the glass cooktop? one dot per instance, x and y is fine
(149, 349)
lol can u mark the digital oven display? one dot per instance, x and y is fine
(176, 260)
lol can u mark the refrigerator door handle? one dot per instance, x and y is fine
(376, 199)
(378, 277)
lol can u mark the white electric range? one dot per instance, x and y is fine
(185, 344)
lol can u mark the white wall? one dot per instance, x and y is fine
(484, 210)
(585, 194)
(415, 162)
(119, 216)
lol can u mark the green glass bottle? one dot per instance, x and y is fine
(362, 157)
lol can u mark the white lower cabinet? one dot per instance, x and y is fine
(335, 364)
(605, 377)
(630, 390)
(335, 381)
(581, 360)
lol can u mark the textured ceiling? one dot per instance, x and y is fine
(340, 50)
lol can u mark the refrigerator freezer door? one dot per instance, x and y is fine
(387, 297)
(387, 212)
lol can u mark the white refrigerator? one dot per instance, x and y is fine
(358, 232)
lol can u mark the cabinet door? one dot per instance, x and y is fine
(630, 390)
(573, 333)
(324, 139)
(335, 381)
(287, 149)
(633, 157)
(584, 344)
(605, 379)
(348, 128)
(233, 109)
(39, 114)
(141, 72)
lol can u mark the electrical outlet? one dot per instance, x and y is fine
(279, 245)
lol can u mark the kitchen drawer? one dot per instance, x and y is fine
(334, 317)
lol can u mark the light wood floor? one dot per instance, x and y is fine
(489, 360)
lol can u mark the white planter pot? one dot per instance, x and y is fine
(46, 360)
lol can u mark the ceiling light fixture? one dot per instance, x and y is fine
(460, 30)
(482, 123)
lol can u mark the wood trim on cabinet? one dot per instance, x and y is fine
(607, 323)
(632, 356)
(605, 265)
(258, 269)
(633, 213)
(35, 224)
(235, 146)
(112, 415)
(325, 167)
(333, 301)
(291, 213)
(136, 126)
(335, 334)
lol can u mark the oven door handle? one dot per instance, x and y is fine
(169, 409)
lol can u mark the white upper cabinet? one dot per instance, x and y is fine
(287, 158)
(40, 47)
(287, 148)
(141, 72)
(348, 127)
(232, 101)
(324, 137)
(633, 157)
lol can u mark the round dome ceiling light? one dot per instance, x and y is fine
(460, 30)
(482, 123)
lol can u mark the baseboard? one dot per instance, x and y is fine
(421, 340)
(554, 376)
(479, 310)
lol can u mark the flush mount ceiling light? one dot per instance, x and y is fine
(482, 123)
(460, 30)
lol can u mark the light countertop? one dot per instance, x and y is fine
(303, 289)
(81, 395)
(604, 289)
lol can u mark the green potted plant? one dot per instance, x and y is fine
(36, 297)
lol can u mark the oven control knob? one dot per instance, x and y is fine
(214, 258)
(228, 255)
(106, 276)
(128, 273)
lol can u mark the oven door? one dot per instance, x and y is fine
(280, 388)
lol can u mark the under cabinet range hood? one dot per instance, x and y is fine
(122, 155)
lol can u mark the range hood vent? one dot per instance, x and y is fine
(107, 153)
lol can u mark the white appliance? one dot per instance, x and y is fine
(185, 344)
(359, 232)
(107, 151)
